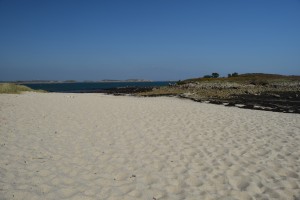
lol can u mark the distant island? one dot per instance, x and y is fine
(74, 81)
(128, 80)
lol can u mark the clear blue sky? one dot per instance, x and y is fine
(149, 39)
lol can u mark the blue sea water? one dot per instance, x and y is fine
(92, 86)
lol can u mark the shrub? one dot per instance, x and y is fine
(215, 75)
(235, 74)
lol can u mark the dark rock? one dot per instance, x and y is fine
(249, 106)
(216, 102)
(230, 104)
(276, 95)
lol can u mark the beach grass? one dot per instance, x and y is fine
(11, 88)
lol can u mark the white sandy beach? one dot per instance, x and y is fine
(94, 146)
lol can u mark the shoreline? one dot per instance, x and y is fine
(284, 103)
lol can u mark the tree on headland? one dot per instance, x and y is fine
(235, 74)
(215, 75)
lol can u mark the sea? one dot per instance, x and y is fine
(85, 87)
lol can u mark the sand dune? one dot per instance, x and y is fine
(93, 146)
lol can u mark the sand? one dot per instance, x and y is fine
(94, 146)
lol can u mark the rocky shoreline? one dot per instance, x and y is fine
(264, 92)
(276, 97)
(255, 91)
(285, 102)
(260, 102)
(120, 91)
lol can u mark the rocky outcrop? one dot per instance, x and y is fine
(278, 96)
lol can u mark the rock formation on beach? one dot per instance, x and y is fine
(253, 91)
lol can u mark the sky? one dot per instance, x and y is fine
(147, 39)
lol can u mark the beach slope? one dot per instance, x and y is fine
(95, 146)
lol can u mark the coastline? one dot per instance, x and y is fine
(286, 102)
(96, 146)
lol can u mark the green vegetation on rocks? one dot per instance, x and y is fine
(253, 91)
(220, 88)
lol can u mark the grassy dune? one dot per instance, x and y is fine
(11, 88)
